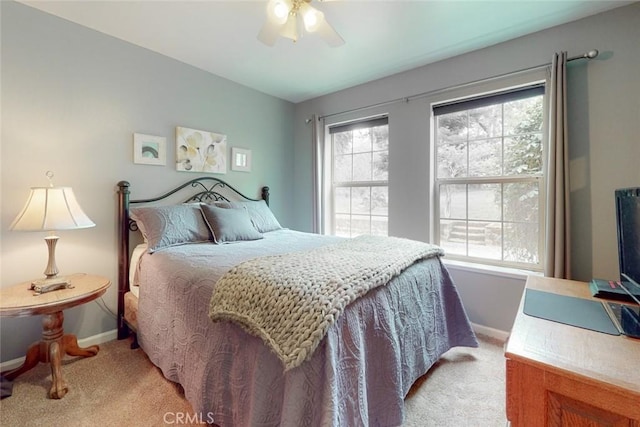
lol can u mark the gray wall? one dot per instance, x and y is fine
(604, 124)
(71, 100)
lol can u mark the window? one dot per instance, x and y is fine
(489, 182)
(359, 178)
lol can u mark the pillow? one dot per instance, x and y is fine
(167, 226)
(229, 224)
(261, 216)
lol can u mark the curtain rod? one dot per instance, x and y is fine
(589, 55)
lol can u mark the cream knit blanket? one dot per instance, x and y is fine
(291, 300)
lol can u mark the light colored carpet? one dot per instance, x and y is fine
(120, 387)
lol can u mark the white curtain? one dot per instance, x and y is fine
(557, 239)
(317, 144)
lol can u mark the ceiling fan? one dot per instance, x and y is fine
(287, 18)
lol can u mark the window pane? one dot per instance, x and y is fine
(485, 202)
(342, 168)
(342, 200)
(485, 157)
(380, 138)
(523, 154)
(342, 142)
(361, 140)
(521, 201)
(453, 201)
(361, 200)
(453, 237)
(360, 224)
(379, 225)
(523, 116)
(485, 122)
(452, 127)
(521, 242)
(380, 166)
(452, 160)
(380, 201)
(362, 167)
(485, 239)
(343, 225)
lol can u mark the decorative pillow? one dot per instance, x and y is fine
(166, 226)
(229, 224)
(261, 216)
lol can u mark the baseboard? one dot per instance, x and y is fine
(83, 342)
(490, 332)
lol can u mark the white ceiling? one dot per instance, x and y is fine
(382, 37)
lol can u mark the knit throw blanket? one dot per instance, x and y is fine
(291, 300)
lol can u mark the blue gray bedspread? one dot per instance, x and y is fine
(359, 374)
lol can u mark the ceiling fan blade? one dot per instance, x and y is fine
(269, 33)
(329, 35)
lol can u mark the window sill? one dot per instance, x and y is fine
(512, 273)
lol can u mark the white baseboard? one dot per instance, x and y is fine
(490, 332)
(84, 342)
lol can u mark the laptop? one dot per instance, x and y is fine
(626, 317)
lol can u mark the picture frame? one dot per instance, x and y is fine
(200, 151)
(149, 149)
(240, 159)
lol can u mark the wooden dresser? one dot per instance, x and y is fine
(561, 375)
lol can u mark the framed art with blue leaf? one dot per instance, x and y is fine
(149, 149)
(200, 151)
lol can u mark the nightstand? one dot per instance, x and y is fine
(20, 300)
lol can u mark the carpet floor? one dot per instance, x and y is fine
(121, 387)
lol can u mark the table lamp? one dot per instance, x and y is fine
(51, 209)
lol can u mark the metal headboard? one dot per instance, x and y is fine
(207, 190)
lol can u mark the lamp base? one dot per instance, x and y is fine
(47, 285)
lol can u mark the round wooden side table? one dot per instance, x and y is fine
(20, 300)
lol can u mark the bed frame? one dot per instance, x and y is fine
(207, 190)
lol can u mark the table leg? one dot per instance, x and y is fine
(51, 349)
(31, 360)
(52, 336)
(70, 347)
(58, 385)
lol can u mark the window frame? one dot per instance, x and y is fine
(472, 97)
(330, 210)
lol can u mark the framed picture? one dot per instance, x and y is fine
(200, 151)
(240, 159)
(149, 149)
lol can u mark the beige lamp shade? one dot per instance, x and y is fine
(51, 208)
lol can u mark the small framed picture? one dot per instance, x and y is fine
(241, 159)
(149, 149)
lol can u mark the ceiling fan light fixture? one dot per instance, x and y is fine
(278, 11)
(290, 29)
(312, 17)
(282, 20)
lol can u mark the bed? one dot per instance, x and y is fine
(357, 372)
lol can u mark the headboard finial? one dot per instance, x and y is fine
(124, 186)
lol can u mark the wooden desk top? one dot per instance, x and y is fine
(19, 300)
(606, 359)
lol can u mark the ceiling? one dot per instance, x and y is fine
(382, 37)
